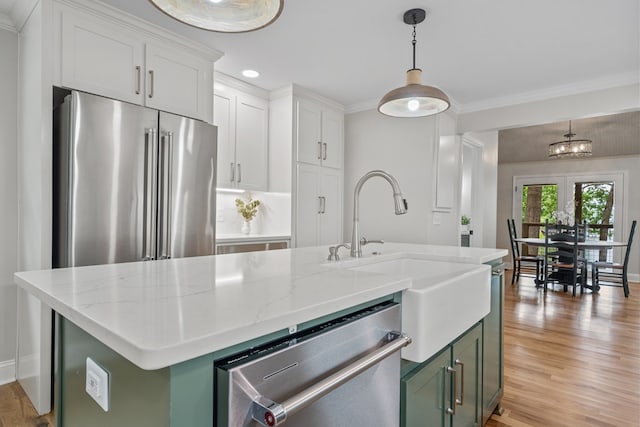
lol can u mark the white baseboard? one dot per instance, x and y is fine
(7, 371)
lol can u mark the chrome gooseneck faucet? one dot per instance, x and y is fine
(399, 201)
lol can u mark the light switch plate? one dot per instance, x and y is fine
(97, 384)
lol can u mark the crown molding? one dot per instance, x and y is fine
(607, 82)
(232, 82)
(20, 12)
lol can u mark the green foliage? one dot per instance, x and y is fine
(249, 209)
(594, 201)
(465, 220)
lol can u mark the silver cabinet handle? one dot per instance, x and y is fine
(151, 84)
(319, 204)
(137, 80)
(452, 411)
(164, 203)
(239, 173)
(323, 204)
(324, 151)
(150, 191)
(233, 172)
(461, 400)
(269, 413)
(319, 150)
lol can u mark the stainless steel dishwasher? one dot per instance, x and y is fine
(345, 372)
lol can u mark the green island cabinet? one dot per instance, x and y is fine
(461, 385)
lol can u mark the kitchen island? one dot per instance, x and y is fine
(158, 326)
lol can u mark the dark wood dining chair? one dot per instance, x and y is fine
(613, 274)
(563, 263)
(523, 265)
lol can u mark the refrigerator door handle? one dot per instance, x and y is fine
(150, 191)
(164, 194)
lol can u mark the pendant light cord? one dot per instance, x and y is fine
(414, 46)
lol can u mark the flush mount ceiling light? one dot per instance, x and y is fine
(414, 99)
(227, 16)
(570, 147)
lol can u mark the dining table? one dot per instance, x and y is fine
(585, 244)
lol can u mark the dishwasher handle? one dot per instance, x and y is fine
(269, 413)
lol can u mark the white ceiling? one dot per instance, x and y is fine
(479, 52)
(354, 51)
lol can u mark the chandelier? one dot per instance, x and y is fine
(570, 147)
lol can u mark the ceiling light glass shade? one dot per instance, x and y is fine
(576, 148)
(227, 16)
(414, 99)
(570, 147)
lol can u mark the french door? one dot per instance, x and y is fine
(595, 199)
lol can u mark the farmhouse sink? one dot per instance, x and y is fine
(444, 300)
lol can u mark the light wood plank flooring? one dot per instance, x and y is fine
(568, 362)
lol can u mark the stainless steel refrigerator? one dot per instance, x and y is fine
(130, 183)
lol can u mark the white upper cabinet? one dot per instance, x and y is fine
(100, 54)
(243, 131)
(101, 58)
(177, 82)
(319, 134)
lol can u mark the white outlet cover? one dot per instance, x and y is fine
(97, 384)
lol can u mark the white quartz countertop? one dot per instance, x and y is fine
(160, 313)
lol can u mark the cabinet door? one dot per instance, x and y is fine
(308, 206)
(426, 394)
(224, 118)
(332, 139)
(177, 82)
(492, 360)
(252, 118)
(467, 361)
(331, 207)
(309, 135)
(101, 58)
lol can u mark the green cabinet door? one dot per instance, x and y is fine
(467, 361)
(426, 393)
(493, 360)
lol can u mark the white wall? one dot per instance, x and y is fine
(628, 164)
(405, 149)
(9, 207)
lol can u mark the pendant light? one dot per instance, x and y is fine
(414, 99)
(570, 147)
(227, 16)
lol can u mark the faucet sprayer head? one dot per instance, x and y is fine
(400, 204)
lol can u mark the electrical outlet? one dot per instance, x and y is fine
(97, 384)
(219, 215)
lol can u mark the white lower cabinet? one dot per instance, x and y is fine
(319, 206)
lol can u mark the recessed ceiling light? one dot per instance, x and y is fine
(252, 74)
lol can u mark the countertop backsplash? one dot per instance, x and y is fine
(274, 213)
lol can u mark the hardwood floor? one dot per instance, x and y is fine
(16, 409)
(568, 361)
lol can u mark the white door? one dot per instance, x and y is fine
(470, 190)
(252, 117)
(224, 119)
(332, 139)
(331, 208)
(102, 59)
(308, 206)
(176, 82)
(309, 135)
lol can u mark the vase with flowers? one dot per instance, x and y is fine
(248, 210)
